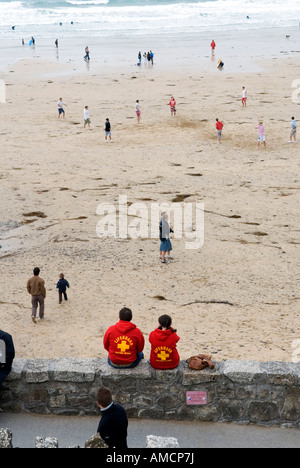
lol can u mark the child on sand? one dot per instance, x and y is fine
(219, 127)
(62, 286)
(261, 134)
(244, 97)
(172, 105)
(86, 117)
(107, 130)
(293, 132)
(138, 110)
(164, 234)
(164, 354)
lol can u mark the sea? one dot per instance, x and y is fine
(103, 18)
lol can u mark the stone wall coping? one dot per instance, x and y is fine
(85, 370)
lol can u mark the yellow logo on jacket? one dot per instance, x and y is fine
(163, 353)
(123, 344)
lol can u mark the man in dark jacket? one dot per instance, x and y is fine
(114, 423)
(7, 355)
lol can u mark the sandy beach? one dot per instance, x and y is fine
(236, 297)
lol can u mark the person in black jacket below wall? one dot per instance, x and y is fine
(114, 423)
(7, 355)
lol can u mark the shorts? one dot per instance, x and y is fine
(293, 131)
(60, 110)
(138, 113)
(244, 99)
(107, 134)
(173, 109)
(87, 121)
(261, 138)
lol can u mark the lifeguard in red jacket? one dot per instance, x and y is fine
(164, 339)
(124, 342)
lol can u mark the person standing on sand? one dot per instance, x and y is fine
(164, 235)
(107, 130)
(244, 97)
(261, 134)
(138, 110)
(293, 132)
(61, 110)
(36, 287)
(87, 54)
(213, 46)
(219, 127)
(172, 105)
(86, 117)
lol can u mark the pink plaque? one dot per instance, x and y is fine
(196, 398)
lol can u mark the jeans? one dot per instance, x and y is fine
(140, 356)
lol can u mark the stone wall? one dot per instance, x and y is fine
(265, 393)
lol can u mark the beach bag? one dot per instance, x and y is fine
(199, 362)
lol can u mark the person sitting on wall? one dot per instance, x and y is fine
(164, 354)
(124, 342)
(7, 355)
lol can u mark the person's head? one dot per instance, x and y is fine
(103, 397)
(61, 276)
(137, 101)
(165, 322)
(243, 87)
(86, 107)
(125, 314)
(107, 120)
(293, 118)
(261, 122)
(60, 98)
(217, 120)
(164, 216)
(36, 271)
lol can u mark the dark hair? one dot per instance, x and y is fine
(36, 271)
(165, 321)
(125, 314)
(104, 397)
(293, 118)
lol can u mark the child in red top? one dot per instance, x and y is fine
(164, 354)
(219, 127)
(124, 342)
(213, 45)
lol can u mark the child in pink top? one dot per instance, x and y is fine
(261, 133)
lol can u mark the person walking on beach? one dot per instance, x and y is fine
(164, 339)
(86, 117)
(139, 58)
(213, 46)
(164, 235)
(61, 110)
(138, 110)
(113, 424)
(107, 129)
(293, 132)
(172, 105)
(36, 287)
(56, 43)
(62, 286)
(219, 127)
(244, 97)
(261, 134)
(87, 54)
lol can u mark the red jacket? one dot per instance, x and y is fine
(164, 354)
(123, 341)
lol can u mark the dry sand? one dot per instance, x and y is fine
(237, 296)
